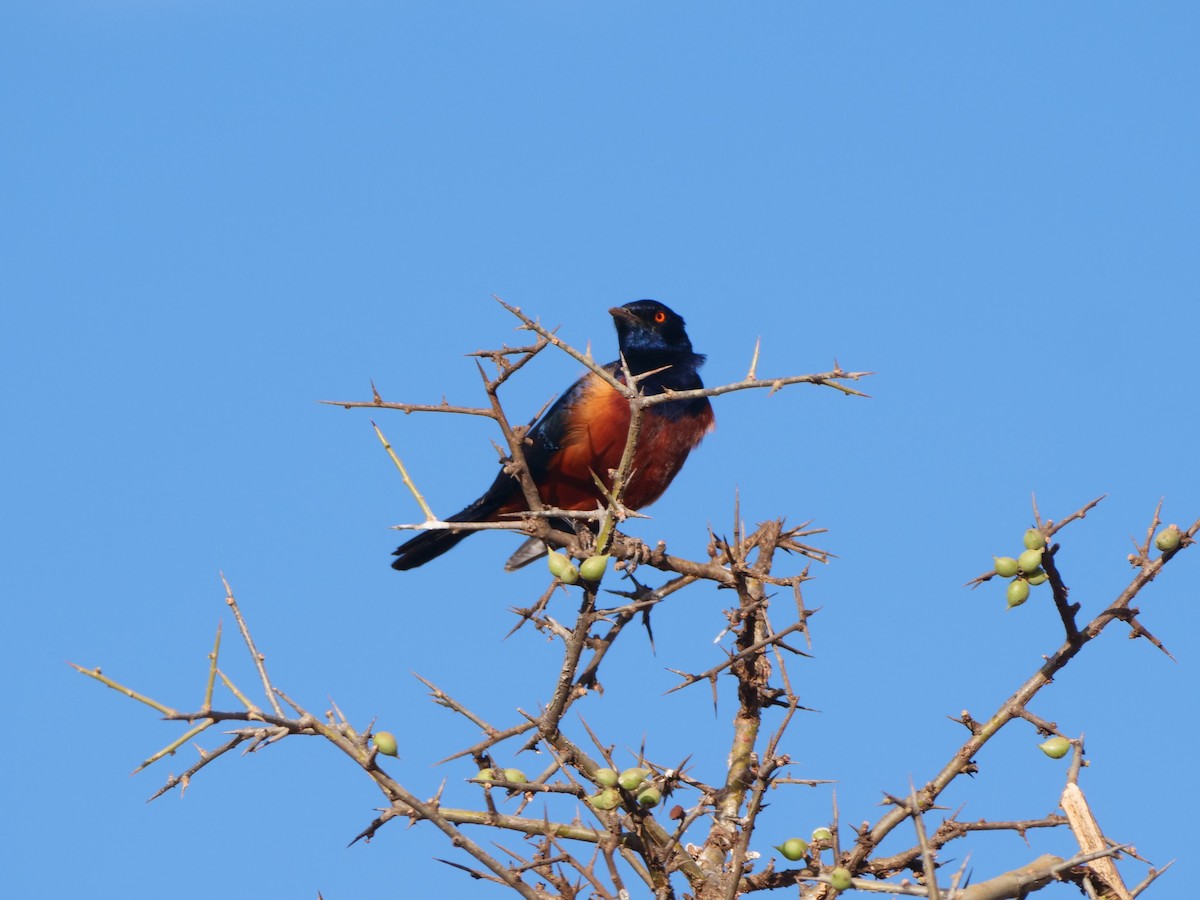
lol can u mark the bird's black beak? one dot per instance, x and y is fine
(620, 312)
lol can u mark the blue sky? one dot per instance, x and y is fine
(217, 214)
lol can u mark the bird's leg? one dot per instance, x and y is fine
(586, 531)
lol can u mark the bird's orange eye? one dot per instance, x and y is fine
(660, 317)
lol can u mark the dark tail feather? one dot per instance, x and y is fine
(425, 546)
(431, 544)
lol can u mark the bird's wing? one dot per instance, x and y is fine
(561, 425)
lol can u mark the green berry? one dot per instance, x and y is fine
(651, 796)
(793, 849)
(385, 743)
(1034, 539)
(592, 568)
(1168, 538)
(516, 776)
(1018, 592)
(486, 775)
(1006, 566)
(840, 880)
(1029, 560)
(822, 834)
(631, 779)
(1037, 576)
(605, 777)
(609, 798)
(562, 568)
(1055, 747)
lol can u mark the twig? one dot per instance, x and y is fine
(259, 659)
(408, 482)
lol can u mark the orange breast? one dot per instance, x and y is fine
(595, 440)
(663, 446)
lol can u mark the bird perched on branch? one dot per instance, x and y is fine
(584, 432)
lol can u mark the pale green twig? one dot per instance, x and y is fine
(212, 669)
(128, 692)
(408, 482)
(174, 745)
(254, 711)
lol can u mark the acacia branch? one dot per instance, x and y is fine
(649, 840)
(1011, 708)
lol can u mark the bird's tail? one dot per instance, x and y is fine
(431, 544)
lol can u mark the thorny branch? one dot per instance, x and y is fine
(538, 526)
(579, 843)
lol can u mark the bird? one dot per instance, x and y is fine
(585, 430)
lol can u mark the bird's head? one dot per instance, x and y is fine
(649, 327)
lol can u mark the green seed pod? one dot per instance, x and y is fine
(822, 834)
(1034, 539)
(592, 568)
(793, 848)
(516, 776)
(631, 779)
(562, 568)
(1055, 747)
(839, 879)
(1168, 538)
(1018, 592)
(609, 798)
(605, 777)
(1029, 560)
(1006, 566)
(486, 775)
(1037, 576)
(651, 796)
(385, 743)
